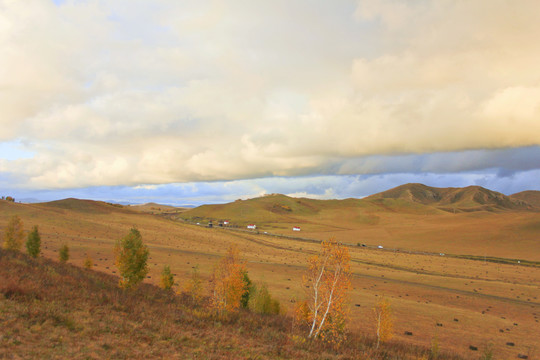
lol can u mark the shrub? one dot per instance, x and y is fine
(131, 257)
(167, 279)
(244, 301)
(262, 302)
(88, 262)
(33, 243)
(488, 352)
(14, 234)
(63, 254)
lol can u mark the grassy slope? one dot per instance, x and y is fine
(423, 289)
(52, 310)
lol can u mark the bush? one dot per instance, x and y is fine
(262, 302)
(88, 262)
(63, 254)
(167, 279)
(244, 301)
(33, 243)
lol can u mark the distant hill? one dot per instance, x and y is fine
(85, 206)
(470, 198)
(530, 196)
(408, 198)
(155, 208)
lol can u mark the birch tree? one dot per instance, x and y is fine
(384, 323)
(327, 281)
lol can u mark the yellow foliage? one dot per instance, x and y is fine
(327, 282)
(227, 283)
(14, 234)
(384, 321)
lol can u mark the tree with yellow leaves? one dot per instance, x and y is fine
(327, 281)
(14, 234)
(384, 322)
(227, 283)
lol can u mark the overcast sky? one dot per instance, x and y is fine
(191, 102)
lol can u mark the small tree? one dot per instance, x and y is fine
(248, 287)
(14, 234)
(227, 283)
(326, 282)
(88, 262)
(167, 278)
(262, 302)
(131, 257)
(193, 287)
(33, 243)
(63, 254)
(384, 322)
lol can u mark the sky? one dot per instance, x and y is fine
(193, 102)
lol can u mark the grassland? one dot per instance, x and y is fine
(475, 303)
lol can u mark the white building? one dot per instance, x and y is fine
(252, 226)
(296, 228)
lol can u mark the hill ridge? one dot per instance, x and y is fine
(470, 198)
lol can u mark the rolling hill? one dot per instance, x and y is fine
(471, 198)
(408, 198)
(471, 220)
(84, 206)
(530, 196)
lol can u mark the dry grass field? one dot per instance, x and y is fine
(457, 302)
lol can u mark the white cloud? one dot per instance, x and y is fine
(110, 93)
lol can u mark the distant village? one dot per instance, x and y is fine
(226, 223)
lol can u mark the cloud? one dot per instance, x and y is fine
(130, 93)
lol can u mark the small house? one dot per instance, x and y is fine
(296, 228)
(252, 226)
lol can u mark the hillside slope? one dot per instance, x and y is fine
(53, 310)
